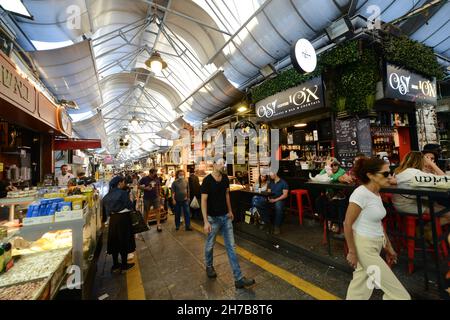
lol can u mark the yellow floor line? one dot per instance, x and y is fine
(281, 273)
(134, 282)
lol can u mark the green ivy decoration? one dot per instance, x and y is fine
(356, 70)
(285, 80)
(412, 55)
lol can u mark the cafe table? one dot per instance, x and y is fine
(419, 192)
(240, 200)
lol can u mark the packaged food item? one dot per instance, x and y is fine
(77, 204)
(64, 206)
(3, 232)
(2, 259)
(8, 261)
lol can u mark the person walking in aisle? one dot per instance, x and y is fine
(180, 196)
(194, 191)
(366, 236)
(169, 196)
(218, 217)
(121, 241)
(152, 197)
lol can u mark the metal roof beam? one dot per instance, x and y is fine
(186, 17)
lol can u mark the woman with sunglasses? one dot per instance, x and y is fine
(413, 164)
(366, 237)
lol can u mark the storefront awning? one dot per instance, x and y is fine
(77, 144)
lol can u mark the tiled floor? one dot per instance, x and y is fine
(171, 267)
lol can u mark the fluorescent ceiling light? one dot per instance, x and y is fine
(16, 7)
(300, 125)
(41, 45)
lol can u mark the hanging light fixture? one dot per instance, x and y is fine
(156, 63)
(134, 122)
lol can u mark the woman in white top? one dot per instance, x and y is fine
(411, 166)
(366, 236)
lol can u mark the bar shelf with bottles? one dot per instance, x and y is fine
(385, 135)
(444, 134)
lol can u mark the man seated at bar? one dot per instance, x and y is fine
(350, 177)
(280, 190)
(333, 169)
(413, 164)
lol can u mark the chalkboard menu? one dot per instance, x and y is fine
(346, 141)
(364, 137)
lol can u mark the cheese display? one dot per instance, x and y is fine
(34, 266)
(24, 291)
(49, 241)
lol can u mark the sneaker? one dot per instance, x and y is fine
(211, 272)
(159, 228)
(130, 256)
(276, 230)
(115, 268)
(244, 282)
(127, 267)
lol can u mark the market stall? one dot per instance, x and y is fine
(55, 233)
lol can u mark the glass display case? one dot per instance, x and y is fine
(72, 242)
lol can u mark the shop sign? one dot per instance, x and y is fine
(303, 56)
(404, 85)
(306, 97)
(15, 84)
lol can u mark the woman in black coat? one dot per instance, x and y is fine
(121, 241)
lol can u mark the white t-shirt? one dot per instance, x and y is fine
(368, 224)
(64, 180)
(404, 178)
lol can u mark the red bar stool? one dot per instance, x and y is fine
(410, 223)
(299, 193)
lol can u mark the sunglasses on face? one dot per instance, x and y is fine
(335, 165)
(385, 173)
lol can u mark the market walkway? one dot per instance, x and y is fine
(170, 266)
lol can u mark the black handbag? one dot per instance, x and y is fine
(137, 222)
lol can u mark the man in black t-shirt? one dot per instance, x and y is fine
(217, 217)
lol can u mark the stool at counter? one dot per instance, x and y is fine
(299, 193)
(410, 223)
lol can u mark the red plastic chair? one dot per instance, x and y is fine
(299, 193)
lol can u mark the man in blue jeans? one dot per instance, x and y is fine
(218, 217)
(180, 196)
(280, 191)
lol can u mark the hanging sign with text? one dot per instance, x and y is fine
(404, 85)
(303, 98)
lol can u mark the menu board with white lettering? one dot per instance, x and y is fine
(364, 137)
(405, 85)
(306, 97)
(346, 140)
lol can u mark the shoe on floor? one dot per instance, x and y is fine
(188, 229)
(244, 282)
(128, 266)
(211, 272)
(115, 268)
(276, 230)
(130, 256)
(159, 228)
